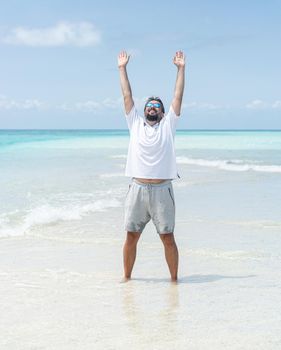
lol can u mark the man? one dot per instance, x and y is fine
(151, 164)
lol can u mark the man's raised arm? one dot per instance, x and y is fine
(123, 60)
(179, 61)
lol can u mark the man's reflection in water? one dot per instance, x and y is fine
(151, 318)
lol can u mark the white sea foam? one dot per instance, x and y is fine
(73, 144)
(229, 140)
(230, 165)
(119, 156)
(48, 214)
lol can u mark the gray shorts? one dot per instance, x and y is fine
(150, 201)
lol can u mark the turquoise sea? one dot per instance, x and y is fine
(54, 178)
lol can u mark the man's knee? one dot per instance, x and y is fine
(132, 238)
(168, 239)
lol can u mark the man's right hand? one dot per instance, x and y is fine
(123, 59)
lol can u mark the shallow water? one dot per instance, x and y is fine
(48, 177)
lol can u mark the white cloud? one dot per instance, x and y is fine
(8, 104)
(88, 106)
(92, 106)
(259, 104)
(256, 104)
(62, 34)
(276, 105)
(112, 103)
(117, 104)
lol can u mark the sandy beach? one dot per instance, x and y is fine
(66, 295)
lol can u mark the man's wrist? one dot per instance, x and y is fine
(181, 68)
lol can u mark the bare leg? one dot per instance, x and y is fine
(129, 253)
(171, 254)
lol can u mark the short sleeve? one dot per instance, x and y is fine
(132, 117)
(172, 119)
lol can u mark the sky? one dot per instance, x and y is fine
(58, 62)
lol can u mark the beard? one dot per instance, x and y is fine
(153, 117)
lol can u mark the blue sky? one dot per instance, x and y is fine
(58, 62)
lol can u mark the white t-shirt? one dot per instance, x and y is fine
(151, 153)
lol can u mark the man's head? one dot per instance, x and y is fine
(154, 108)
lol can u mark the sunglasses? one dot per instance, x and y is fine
(157, 105)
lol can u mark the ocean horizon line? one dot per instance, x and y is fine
(102, 130)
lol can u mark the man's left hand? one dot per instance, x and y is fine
(179, 59)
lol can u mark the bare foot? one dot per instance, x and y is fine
(125, 279)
